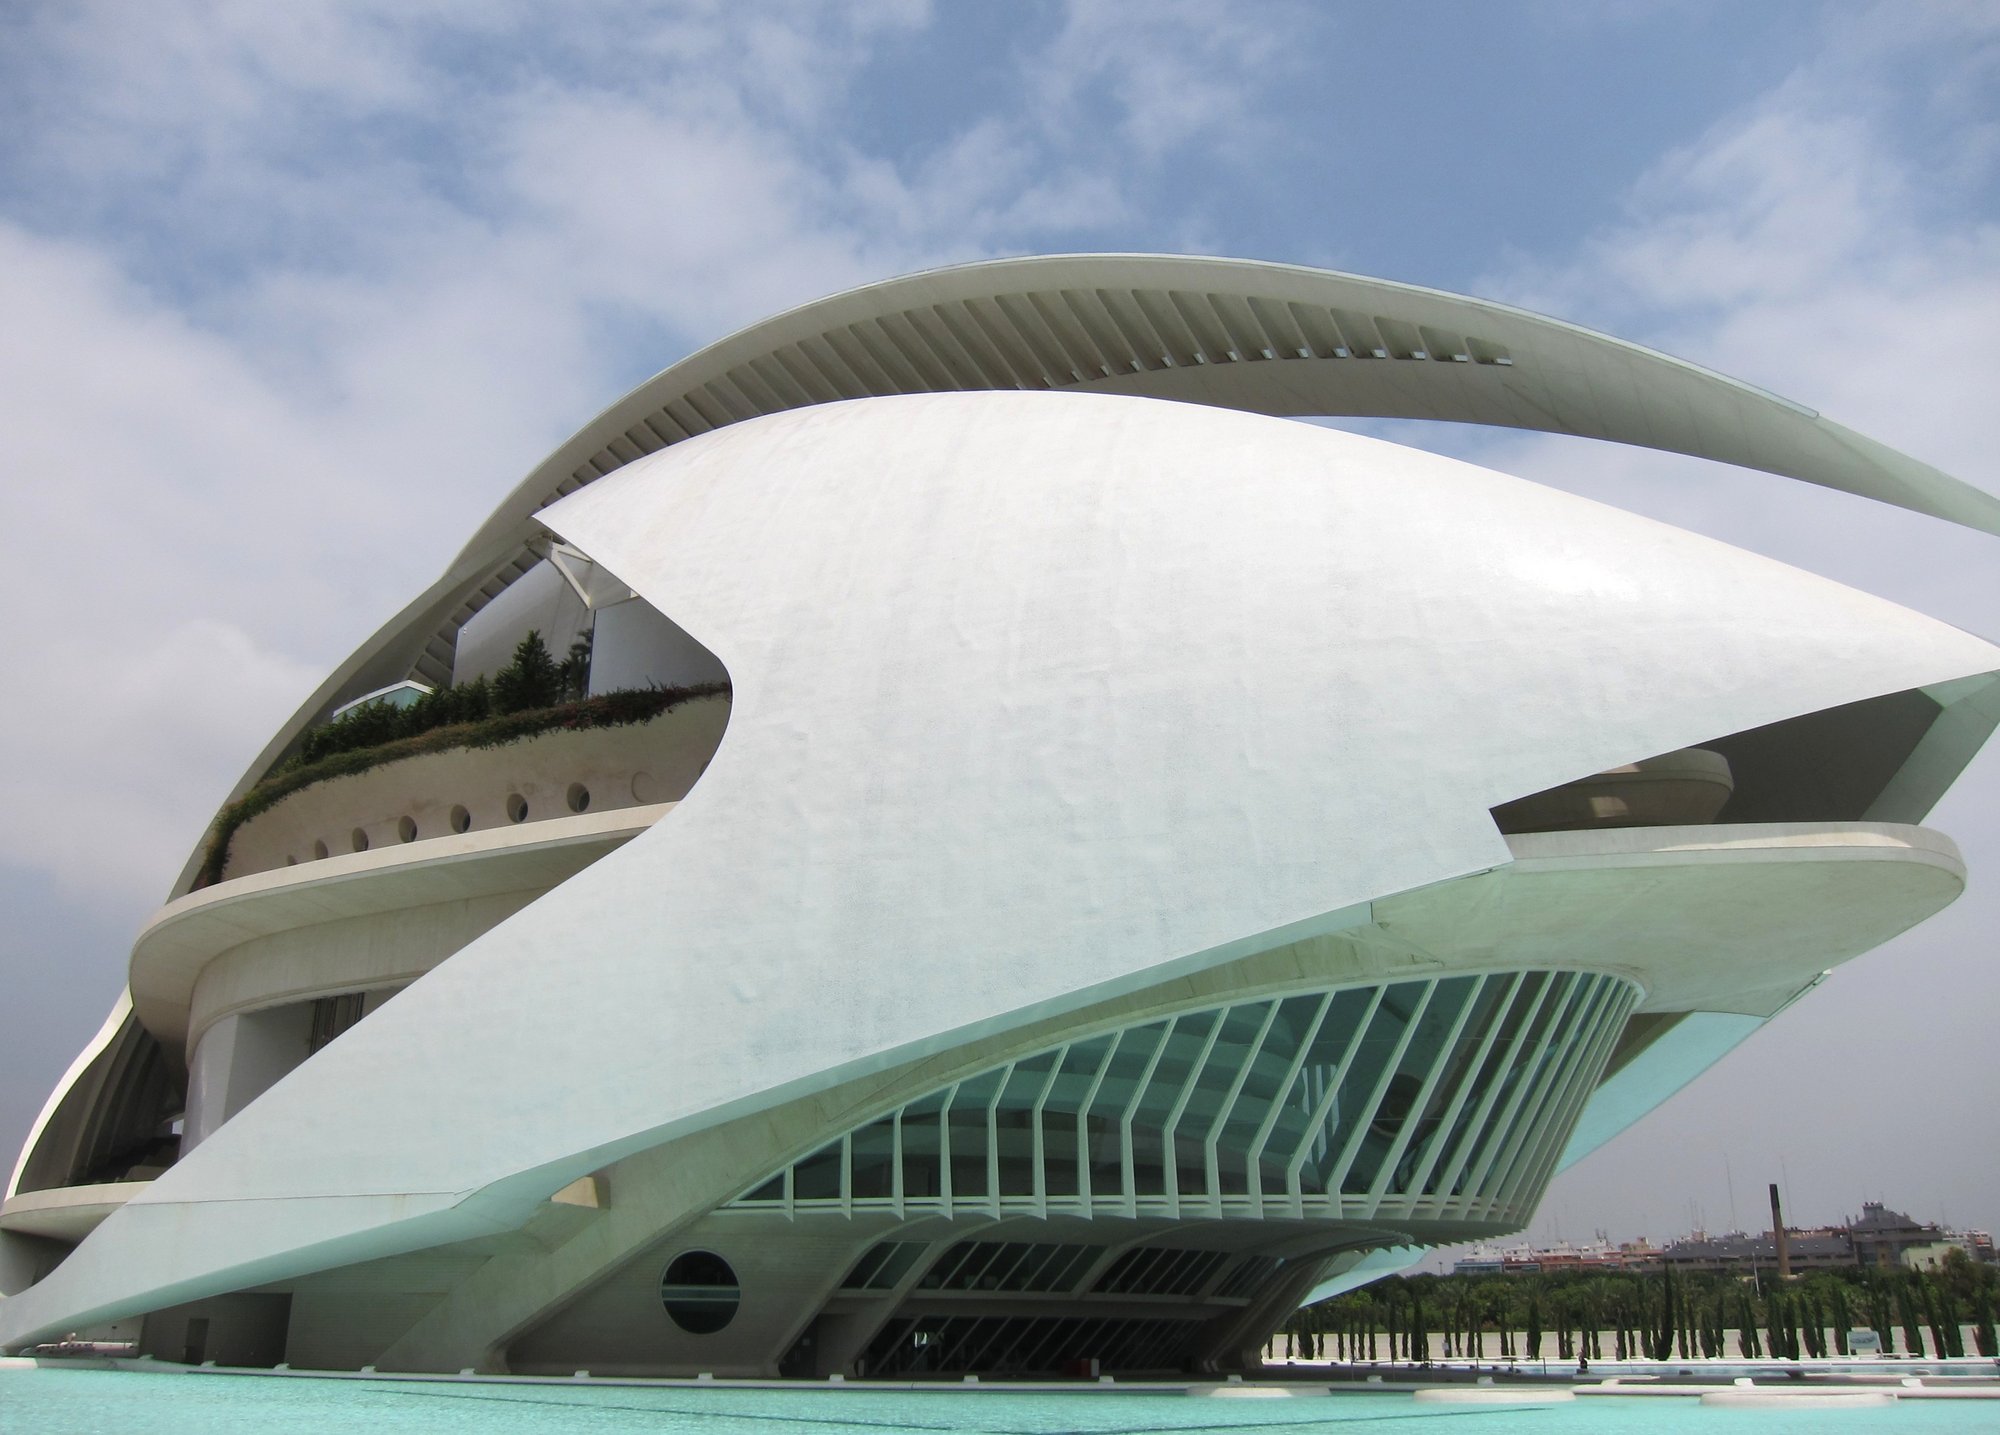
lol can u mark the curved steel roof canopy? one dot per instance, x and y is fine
(1267, 338)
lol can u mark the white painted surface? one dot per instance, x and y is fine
(421, 895)
(639, 646)
(66, 1213)
(1271, 344)
(1038, 698)
(237, 1060)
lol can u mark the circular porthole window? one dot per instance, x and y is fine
(319, 850)
(359, 839)
(579, 797)
(700, 1292)
(407, 829)
(517, 807)
(461, 820)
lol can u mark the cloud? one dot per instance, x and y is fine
(296, 293)
(1171, 74)
(1811, 245)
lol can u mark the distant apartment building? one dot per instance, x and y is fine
(1599, 1255)
(1822, 1248)
(1878, 1237)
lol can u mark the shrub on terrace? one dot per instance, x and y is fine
(531, 682)
(457, 717)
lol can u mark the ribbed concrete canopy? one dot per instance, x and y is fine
(1267, 338)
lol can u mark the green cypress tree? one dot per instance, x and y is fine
(1878, 1314)
(1942, 1329)
(575, 670)
(1906, 1305)
(530, 681)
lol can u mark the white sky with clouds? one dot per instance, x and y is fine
(290, 295)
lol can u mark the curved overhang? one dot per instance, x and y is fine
(1279, 339)
(1267, 338)
(1740, 918)
(66, 1213)
(93, 1049)
(177, 945)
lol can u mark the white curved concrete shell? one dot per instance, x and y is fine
(1154, 846)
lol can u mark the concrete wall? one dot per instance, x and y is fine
(228, 1330)
(381, 949)
(620, 1327)
(341, 1320)
(632, 766)
(26, 1259)
(637, 645)
(237, 1060)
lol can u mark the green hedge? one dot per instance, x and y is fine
(532, 682)
(619, 709)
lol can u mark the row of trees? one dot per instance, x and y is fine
(1663, 1316)
(534, 694)
(531, 681)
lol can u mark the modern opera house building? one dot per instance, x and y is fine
(1113, 860)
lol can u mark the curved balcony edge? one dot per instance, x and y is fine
(188, 933)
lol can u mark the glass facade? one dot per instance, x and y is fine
(1446, 1098)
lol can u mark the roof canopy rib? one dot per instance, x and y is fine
(1267, 338)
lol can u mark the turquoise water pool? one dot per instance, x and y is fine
(101, 1402)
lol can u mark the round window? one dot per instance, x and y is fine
(699, 1291)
